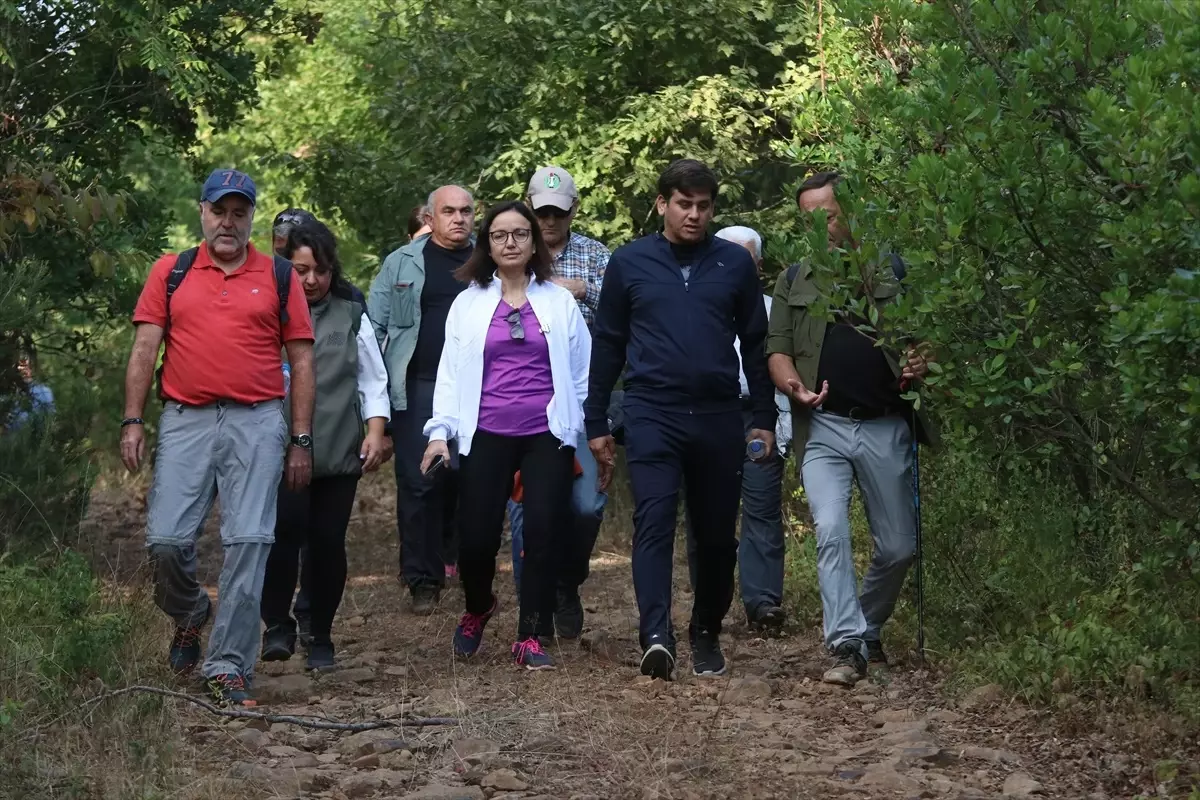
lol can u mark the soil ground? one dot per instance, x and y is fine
(594, 728)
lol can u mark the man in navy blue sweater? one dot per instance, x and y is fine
(669, 310)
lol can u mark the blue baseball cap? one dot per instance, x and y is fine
(228, 181)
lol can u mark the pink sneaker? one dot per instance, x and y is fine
(529, 654)
(451, 571)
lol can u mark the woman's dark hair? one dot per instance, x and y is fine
(480, 267)
(689, 176)
(314, 235)
(289, 218)
(416, 220)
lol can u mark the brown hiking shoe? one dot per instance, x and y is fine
(424, 600)
(849, 666)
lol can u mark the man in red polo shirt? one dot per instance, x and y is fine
(222, 430)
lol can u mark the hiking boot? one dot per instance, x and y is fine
(320, 656)
(279, 644)
(304, 629)
(658, 662)
(568, 614)
(529, 654)
(425, 600)
(707, 659)
(767, 618)
(849, 666)
(875, 655)
(229, 690)
(469, 633)
(184, 654)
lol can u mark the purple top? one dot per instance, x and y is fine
(517, 384)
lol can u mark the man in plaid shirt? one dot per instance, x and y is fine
(579, 264)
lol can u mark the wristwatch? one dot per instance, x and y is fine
(303, 441)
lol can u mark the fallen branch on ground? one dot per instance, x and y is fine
(291, 719)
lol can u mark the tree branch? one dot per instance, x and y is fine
(291, 719)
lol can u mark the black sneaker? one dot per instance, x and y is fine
(875, 655)
(849, 666)
(707, 659)
(304, 629)
(658, 662)
(229, 690)
(425, 600)
(279, 644)
(320, 656)
(568, 614)
(768, 618)
(184, 654)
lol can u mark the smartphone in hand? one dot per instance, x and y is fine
(437, 464)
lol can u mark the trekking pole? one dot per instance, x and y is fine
(916, 486)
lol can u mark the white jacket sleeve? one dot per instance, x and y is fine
(581, 351)
(443, 425)
(372, 374)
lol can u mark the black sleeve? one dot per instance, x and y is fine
(752, 331)
(610, 335)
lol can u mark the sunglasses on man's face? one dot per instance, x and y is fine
(515, 329)
(546, 212)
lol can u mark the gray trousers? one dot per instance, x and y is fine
(878, 455)
(761, 549)
(236, 452)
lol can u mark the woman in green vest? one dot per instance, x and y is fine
(351, 392)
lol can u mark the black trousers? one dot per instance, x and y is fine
(317, 516)
(667, 449)
(425, 507)
(547, 471)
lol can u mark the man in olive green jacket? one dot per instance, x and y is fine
(408, 304)
(850, 424)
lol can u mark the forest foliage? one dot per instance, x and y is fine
(1036, 163)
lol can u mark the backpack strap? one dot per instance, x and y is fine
(183, 263)
(283, 286)
(792, 272)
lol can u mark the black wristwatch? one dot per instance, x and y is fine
(303, 441)
(132, 421)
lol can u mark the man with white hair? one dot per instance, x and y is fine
(408, 305)
(760, 553)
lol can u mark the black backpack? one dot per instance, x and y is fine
(183, 263)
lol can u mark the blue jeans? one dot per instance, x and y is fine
(587, 503)
(760, 552)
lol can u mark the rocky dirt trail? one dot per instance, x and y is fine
(594, 728)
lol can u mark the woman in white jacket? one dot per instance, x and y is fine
(509, 392)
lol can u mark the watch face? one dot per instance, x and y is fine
(303, 440)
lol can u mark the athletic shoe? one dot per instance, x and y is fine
(425, 600)
(451, 571)
(469, 633)
(529, 654)
(229, 690)
(320, 656)
(767, 618)
(278, 644)
(568, 615)
(707, 659)
(184, 654)
(849, 666)
(658, 662)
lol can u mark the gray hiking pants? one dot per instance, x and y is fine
(878, 455)
(237, 452)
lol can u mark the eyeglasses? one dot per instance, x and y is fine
(551, 211)
(520, 236)
(515, 329)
